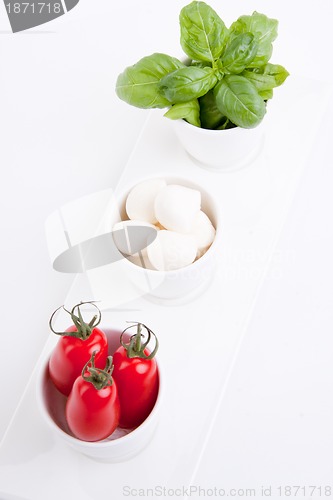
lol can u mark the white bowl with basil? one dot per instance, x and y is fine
(224, 84)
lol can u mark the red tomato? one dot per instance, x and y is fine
(74, 349)
(136, 375)
(92, 408)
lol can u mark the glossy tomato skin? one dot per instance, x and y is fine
(92, 414)
(137, 383)
(71, 354)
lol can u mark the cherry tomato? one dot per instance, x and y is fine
(136, 375)
(92, 408)
(75, 348)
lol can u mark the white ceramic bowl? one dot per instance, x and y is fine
(222, 150)
(121, 445)
(187, 282)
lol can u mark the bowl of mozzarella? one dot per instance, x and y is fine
(168, 233)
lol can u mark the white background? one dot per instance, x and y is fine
(65, 134)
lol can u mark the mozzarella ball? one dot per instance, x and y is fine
(131, 236)
(171, 250)
(176, 207)
(203, 232)
(141, 199)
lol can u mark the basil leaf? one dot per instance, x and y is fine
(210, 116)
(267, 77)
(187, 83)
(226, 125)
(201, 64)
(189, 111)
(239, 53)
(266, 94)
(138, 84)
(202, 32)
(238, 99)
(265, 31)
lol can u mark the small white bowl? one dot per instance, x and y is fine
(121, 445)
(220, 150)
(180, 284)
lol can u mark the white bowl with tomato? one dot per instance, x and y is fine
(108, 414)
(179, 261)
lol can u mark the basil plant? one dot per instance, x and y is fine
(226, 81)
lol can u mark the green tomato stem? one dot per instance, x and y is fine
(135, 347)
(83, 329)
(98, 377)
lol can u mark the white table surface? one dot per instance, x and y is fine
(65, 134)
